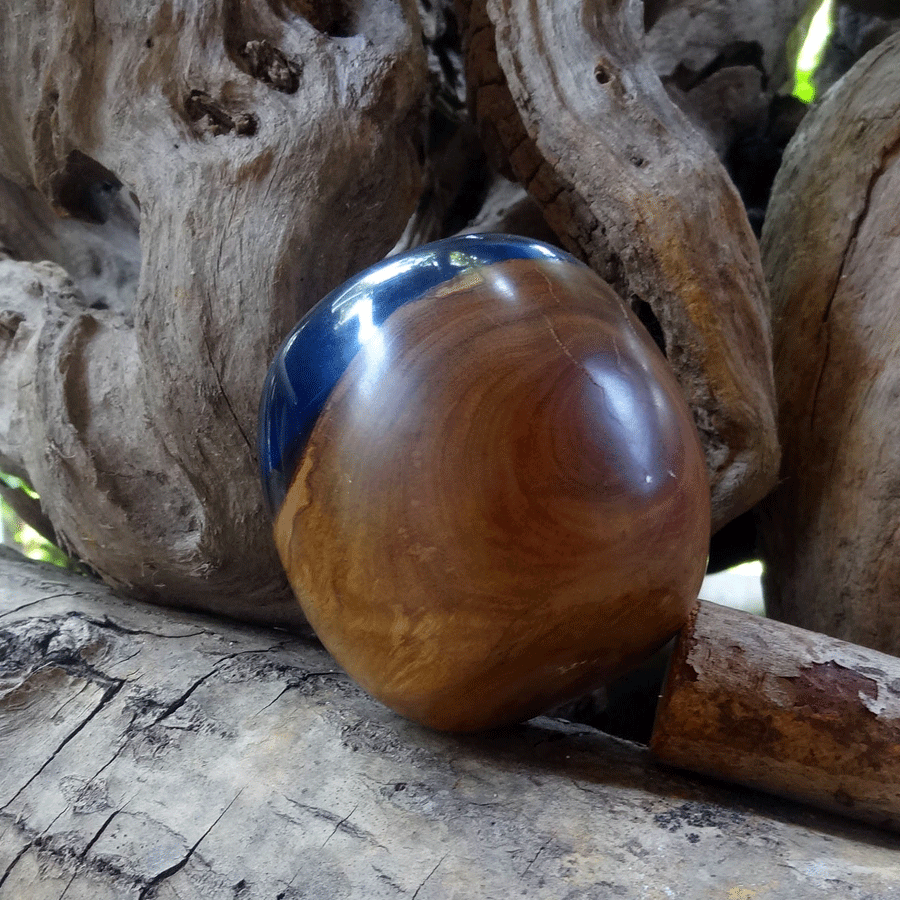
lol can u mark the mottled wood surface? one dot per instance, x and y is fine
(154, 754)
(832, 254)
(785, 710)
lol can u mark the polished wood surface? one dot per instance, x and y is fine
(504, 501)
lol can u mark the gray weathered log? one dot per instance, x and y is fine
(690, 33)
(159, 755)
(272, 150)
(832, 254)
(568, 103)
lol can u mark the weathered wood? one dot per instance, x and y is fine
(690, 33)
(785, 710)
(219, 169)
(269, 150)
(832, 254)
(156, 754)
(567, 102)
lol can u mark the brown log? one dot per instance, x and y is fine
(567, 103)
(831, 249)
(784, 710)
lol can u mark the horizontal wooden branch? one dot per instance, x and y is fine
(784, 710)
(153, 754)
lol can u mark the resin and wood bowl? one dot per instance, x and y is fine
(489, 494)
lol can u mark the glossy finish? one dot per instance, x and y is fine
(500, 500)
(316, 353)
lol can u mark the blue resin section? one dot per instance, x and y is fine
(316, 353)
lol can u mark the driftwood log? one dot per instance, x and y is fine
(567, 103)
(832, 254)
(267, 151)
(219, 170)
(152, 755)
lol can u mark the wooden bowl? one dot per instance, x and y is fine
(488, 490)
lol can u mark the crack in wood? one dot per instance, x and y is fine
(237, 421)
(99, 832)
(13, 611)
(178, 702)
(106, 622)
(887, 152)
(63, 855)
(294, 685)
(428, 876)
(108, 695)
(340, 824)
(177, 867)
(108, 763)
(14, 862)
(66, 888)
(533, 859)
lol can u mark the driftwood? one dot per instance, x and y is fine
(689, 33)
(566, 101)
(269, 150)
(832, 254)
(785, 710)
(150, 754)
(218, 171)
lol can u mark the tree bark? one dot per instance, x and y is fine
(784, 710)
(157, 754)
(831, 251)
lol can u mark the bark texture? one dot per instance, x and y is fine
(831, 249)
(152, 755)
(567, 102)
(784, 710)
(229, 164)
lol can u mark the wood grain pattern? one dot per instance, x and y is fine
(832, 254)
(785, 710)
(508, 466)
